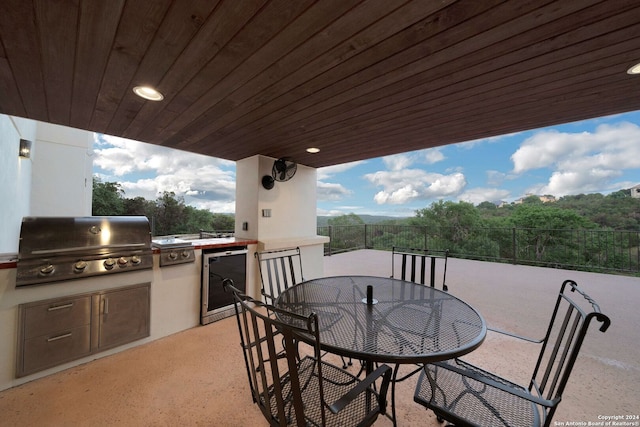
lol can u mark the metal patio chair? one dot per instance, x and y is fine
(466, 395)
(306, 391)
(415, 263)
(279, 269)
(418, 266)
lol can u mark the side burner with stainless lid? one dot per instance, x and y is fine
(174, 251)
(53, 249)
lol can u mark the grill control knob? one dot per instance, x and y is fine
(47, 269)
(173, 255)
(135, 259)
(185, 254)
(80, 265)
(109, 263)
(122, 261)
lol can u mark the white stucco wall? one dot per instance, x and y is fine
(247, 202)
(15, 180)
(62, 172)
(293, 220)
(55, 181)
(292, 203)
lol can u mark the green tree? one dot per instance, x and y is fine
(197, 219)
(139, 206)
(458, 227)
(618, 210)
(454, 221)
(544, 227)
(170, 215)
(350, 219)
(461, 215)
(620, 194)
(487, 206)
(222, 222)
(346, 233)
(532, 200)
(107, 199)
(541, 216)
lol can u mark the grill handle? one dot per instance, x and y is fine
(88, 248)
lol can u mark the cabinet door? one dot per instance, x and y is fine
(52, 332)
(46, 351)
(57, 315)
(123, 316)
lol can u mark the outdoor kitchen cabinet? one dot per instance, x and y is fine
(55, 331)
(122, 316)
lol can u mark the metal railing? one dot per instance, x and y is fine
(587, 250)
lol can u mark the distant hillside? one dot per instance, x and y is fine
(368, 219)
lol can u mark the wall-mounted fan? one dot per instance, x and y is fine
(282, 170)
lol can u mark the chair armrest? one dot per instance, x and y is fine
(383, 370)
(511, 334)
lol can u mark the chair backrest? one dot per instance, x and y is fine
(274, 381)
(573, 312)
(414, 264)
(279, 269)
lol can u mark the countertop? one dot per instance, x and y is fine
(217, 242)
(221, 242)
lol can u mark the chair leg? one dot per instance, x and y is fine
(393, 393)
(346, 363)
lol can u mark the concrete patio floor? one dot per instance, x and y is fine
(197, 377)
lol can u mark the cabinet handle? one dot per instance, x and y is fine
(106, 306)
(60, 307)
(59, 337)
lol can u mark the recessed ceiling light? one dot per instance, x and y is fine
(149, 93)
(634, 70)
(313, 150)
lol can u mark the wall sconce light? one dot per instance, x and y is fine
(25, 148)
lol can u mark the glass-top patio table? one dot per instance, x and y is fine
(401, 323)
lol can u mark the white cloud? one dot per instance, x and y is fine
(402, 186)
(433, 155)
(468, 145)
(402, 161)
(546, 148)
(495, 178)
(329, 171)
(331, 191)
(479, 195)
(398, 162)
(327, 191)
(400, 211)
(581, 162)
(330, 212)
(146, 170)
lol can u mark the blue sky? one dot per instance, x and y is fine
(593, 156)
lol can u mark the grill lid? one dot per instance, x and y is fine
(51, 236)
(62, 248)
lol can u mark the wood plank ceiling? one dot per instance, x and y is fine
(357, 79)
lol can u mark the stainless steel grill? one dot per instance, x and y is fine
(53, 249)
